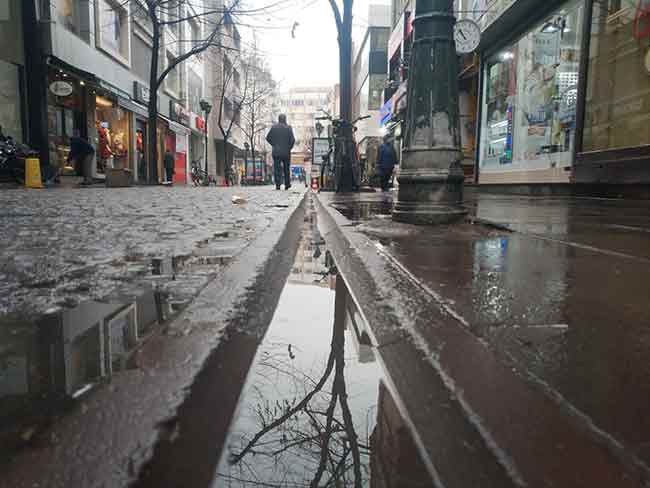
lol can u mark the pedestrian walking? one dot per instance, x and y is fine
(82, 153)
(386, 161)
(169, 166)
(282, 140)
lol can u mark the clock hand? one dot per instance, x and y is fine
(461, 33)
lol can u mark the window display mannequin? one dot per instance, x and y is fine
(119, 149)
(104, 145)
(139, 147)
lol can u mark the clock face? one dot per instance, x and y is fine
(467, 36)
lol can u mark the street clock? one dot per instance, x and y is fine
(467, 35)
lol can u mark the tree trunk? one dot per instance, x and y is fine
(225, 158)
(345, 61)
(152, 146)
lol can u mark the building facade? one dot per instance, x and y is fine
(95, 58)
(369, 75)
(225, 75)
(301, 106)
(555, 95)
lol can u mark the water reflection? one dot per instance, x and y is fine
(315, 410)
(48, 360)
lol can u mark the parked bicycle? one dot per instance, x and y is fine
(199, 176)
(343, 173)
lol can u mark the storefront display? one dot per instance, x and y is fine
(529, 97)
(141, 148)
(113, 125)
(66, 116)
(617, 106)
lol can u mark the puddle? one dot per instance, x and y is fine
(360, 210)
(49, 361)
(316, 409)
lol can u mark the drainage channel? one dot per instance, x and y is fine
(316, 408)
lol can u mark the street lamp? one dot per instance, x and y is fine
(206, 107)
(431, 176)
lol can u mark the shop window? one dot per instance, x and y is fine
(113, 125)
(529, 99)
(617, 108)
(10, 101)
(113, 27)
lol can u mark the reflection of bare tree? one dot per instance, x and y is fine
(316, 431)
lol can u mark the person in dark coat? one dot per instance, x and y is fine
(82, 153)
(281, 138)
(386, 161)
(169, 165)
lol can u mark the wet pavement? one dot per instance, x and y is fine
(562, 300)
(505, 351)
(101, 349)
(305, 402)
(617, 227)
(316, 409)
(59, 247)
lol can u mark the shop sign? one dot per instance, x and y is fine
(140, 92)
(199, 123)
(396, 37)
(320, 147)
(61, 88)
(179, 113)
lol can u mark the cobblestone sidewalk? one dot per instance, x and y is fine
(59, 247)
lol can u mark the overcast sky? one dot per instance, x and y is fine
(311, 57)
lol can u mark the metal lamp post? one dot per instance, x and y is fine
(206, 107)
(431, 176)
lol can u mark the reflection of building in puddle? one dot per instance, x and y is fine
(313, 263)
(65, 353)
(394, 460)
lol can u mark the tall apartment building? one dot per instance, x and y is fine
(301, 105)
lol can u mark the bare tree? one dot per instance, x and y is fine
(229, 102)
(315, 427)
(256, 107)
(173, 14)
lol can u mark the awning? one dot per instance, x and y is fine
(178, 128)
(136, 108)
(59, 63)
